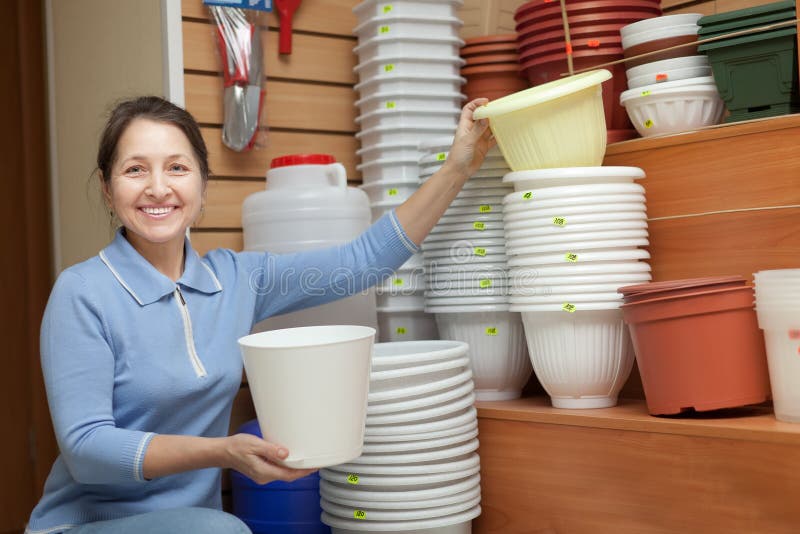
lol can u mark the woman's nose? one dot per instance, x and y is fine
(159, 186)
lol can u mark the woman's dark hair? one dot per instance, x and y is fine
(156, 109)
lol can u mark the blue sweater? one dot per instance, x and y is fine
(127, 353)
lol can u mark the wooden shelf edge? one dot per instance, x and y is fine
(712, 133)
(756, 423)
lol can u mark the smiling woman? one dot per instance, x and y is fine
(139, 348)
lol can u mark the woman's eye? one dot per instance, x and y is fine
(177, 167)
(135, 169)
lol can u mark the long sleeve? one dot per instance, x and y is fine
(288, 282)
(79, 367)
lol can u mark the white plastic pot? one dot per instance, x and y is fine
(669, 75)
(623, 265)
(468, 224)
(389, 190)
(568, 192)
(429, 387)
(556, 232)
(575, 259)
(400, 481)
(323, 373)
(465, 234)
(429, 46)
(568, 239)
(397, 84)
(390, 135)
(403, 100)
(410, 118)
(567, 217)
(657, 23)
(406, 326)
(418, 403)
(556, 177)
(666, 27)
(368, 9)
(548, 248)
(390, 169)
(597, 202)
(407, 26)
(399, 301)
(408, 66)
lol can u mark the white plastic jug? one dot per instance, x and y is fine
(308, 205)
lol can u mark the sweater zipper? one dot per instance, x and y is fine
(199, 370)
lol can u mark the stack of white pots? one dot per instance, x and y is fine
(409, 90)
(778, 310)
(401, 305)
(573, 238)
(676, 93)
(419, 470)
(467, 278)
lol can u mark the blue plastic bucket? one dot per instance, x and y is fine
(278, 507)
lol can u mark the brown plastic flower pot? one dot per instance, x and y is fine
(584, 8)
(501, 48)
(623, 18)
(492, 81)
(674, 288)
(595, 31)
(531, 49)
(660, 44)
(701, 351)
(490, 39)
(492, 59)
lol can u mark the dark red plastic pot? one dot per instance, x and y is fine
(659, 44)
(584, 32)
(592, 19)
(584, 8)
(490, 59)
(672, 288)
(701, 351)
(532, 50)
(492, 81)
(537, 5)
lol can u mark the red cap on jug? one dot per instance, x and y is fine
(302, 159)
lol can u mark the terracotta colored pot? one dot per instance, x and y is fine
(492, 81)
(503, 48)
(672, 288)
(596, 31)
(617, 136)
(658, 44)
(490, 59)
(490, 39)
(528, 8)
(701, 351)
(623, 18)
(531, 49)
(584, 8)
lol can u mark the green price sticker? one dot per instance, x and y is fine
(401, 330)
(480, 226)
(485, 208)
(648, 123)
(527, 195)
(352, 478)
(359, 514)
(441, 156)
(567, 307)
(479, 251)
(392, 192)
(387, 8)
(383, 29)
(388, 68)
(390, 104)
(646, 93)
(485, 283)
(559, 221)
(571, 257)
(491, 331)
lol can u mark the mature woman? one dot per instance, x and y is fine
(139, 347)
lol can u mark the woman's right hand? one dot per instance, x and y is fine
(257, 459)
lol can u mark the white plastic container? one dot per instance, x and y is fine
(468, 224)
(309, 388)
(567, 193)
(556, 177)
(571, 260)
(407, 26)
(361, 499)
(388, 190)
(382, 170)
(467, 234)
(669, 75)
(398, 84)
(385, 498)
(583, 358)
(420, 100)
(555, 232)
(660, 28)
(400, 481)
(781, 325)
(547, 248)
(657, 23)
(390, 135)
(400, 301)
(567, 211)
(406, 326)
(568, 239)
(411, 118)
(384, 45)
(458, 523)
(498, 354)
(566, 217)
(450, 465)
(428, 8)
(307, 205)
(567, 203)
(408, 66)
(621, 265)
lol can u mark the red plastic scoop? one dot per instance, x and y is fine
(286, 9)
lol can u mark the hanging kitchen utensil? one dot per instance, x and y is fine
(286, 9)
(239, 41)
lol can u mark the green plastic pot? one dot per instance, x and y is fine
(743, 16)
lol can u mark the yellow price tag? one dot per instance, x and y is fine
(571, 257)
(390, 104)
(479, 226)
(383, 29)
(398, 281)
(559, 221)
(491, 331)
(359, 514)
(648, 123)
(567, 307)
(480, 251)
(387, 8)
(485, 208)
(527, 195)
(401, 330)
(392, 192)
(646, 93)
(441, 156)
(352, 478)
(485, 283)
(388, 68)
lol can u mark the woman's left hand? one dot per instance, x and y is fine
(472, 141)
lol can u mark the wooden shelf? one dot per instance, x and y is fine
(754, 423)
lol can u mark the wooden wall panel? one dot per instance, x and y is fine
(550, 478)
(205, 240)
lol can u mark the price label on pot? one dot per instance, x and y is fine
(559, 221)
(567, 307)
(646, 93)
(593, 43)
(527, 195)
(352, 478)
(383, 29)
(491, 331)
(387, 8)
(389, 67)
(359, 514)
(648, 123)
(794, 334)
(479, 251)
(662, 77)
(485, 283)
(390, 104)
(571, 257)
(398, 281)
(392, 192)
(485, 208)
(441, 156)
(401, 330)
(479, 226)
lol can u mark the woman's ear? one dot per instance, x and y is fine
(105, 187)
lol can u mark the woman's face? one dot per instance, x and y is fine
(156, 189)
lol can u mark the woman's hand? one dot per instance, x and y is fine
(472, 141)
(257, 459)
